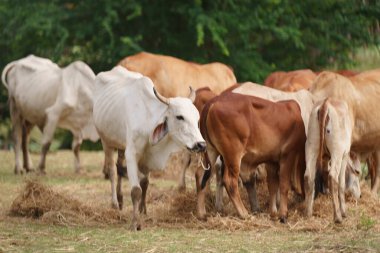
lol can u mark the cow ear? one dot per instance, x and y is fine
(159, 132)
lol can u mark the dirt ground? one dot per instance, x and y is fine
(63, 199)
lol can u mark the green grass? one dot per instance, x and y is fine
(29, 235)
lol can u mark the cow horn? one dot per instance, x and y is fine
(160, 97)
(192, 94)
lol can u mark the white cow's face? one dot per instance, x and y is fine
(182, 120)
(353, 176)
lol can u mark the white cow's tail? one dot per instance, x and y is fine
(5, 72)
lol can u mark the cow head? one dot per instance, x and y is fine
(180, 123)
(353, 175)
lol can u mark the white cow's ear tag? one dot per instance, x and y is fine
(159, 132)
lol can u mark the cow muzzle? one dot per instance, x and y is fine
(198, 147)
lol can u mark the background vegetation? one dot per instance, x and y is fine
(254, 37)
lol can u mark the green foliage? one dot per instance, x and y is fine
(253, 37)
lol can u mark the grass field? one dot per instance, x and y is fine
(170, 225)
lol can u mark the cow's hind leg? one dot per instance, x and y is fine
(309, 179)
(232, 163)
(375, 176)
(16, 134)
(121, 172)
(272, 180)
(27, 128)
(342, 185)
(201, 191)
(111, 167)
(284, 180)
(334, 165)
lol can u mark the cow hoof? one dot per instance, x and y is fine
(256, 210)
(283, 220)
(120, 200)
(115, 206)
(135, 226)
(338, 220)
(202, 217)
(142, 209)
(182, 188)
(29, 170)
(41, 172)
(106, 175)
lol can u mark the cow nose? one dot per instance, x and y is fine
(200, 146)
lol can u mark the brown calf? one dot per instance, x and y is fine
(250, 130)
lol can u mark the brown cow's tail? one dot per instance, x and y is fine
(203, 128)
(322, 120)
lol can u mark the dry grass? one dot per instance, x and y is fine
(81, 203)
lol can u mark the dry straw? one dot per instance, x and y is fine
(170, 208)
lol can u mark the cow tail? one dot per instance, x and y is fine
(207, 173)
(5, 72)
(322, 119)
(203, 128)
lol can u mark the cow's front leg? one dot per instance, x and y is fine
(185, 164)
(75, 146)
(136, 191)
(144, 183)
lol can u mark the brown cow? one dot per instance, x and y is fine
(237, 127)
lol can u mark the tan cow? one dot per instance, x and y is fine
(172, 76)
(290, 81)
(328, 150)
(360, 92)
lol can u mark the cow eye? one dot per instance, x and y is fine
(180, 117)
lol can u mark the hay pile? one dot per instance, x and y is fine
(172, 209)
(40, 201)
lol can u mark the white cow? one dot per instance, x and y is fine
(43, 94)
(130, 115)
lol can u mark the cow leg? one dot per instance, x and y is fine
(334, 165)
(250, 187)
(219, 170)
(75, 146)
(375, 177)
(119, 193)
(27, 128)
(342, 186)
(144, 183)
(272, 180)
(136, 191)
(121, 164)
(201, 193)
(110, 165)
(284, 178)
(186, 161)
(309, 178)
(231, 181)
(16, 134)
(47, 135)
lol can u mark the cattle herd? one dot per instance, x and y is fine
(308, 131)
